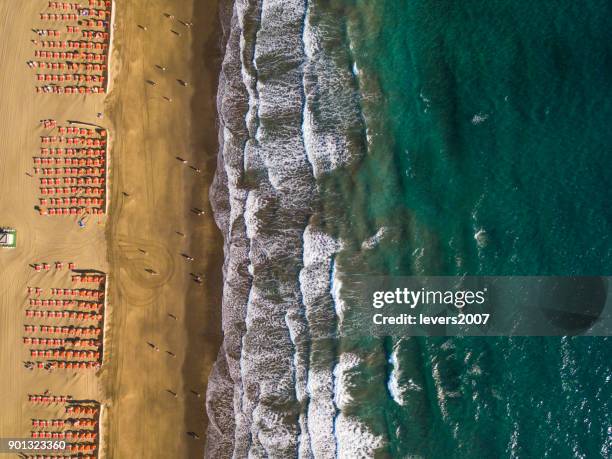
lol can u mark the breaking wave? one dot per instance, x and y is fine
(289, 114)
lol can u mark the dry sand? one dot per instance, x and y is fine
(148, 132)
(39, 238)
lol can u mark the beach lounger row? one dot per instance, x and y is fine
(64, 5)
(95, 162)
(71, 201)
(89, 171)
(95, 35)
(89, 141)
(78, 422)
(83, 132)
(48, 33)
(94, 13)
(71, 56)
(47, 267)
(82, 448)
(74, 66)
(70, 90)
(56, 353)
(30, 341)
(74, 315)
(54, 456)
(88, 293)
(100, 3)
(88, 279)
(73, 191)
(63, 330)
(46, 399)
(85, 305)
(43, 423)
(89, 152)
(67, 435)
(71, 44)
(80, 78)
(81, 410)
(96, 23)
(72, 181)
(59, 17)
(71, 211)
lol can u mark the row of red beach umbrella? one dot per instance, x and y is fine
(103, 4)
(70, 90)
(82, 292)
(47, 267)
(80, 131)
(46, 398)
(63, 330)
(89, 278)
(90, 142)
(74, 66)
(81, 410)
(72, 181)
(63, 365)
(75, 315)
(64, 5)
(48, 32)
(94, 13)
(63, 456)
(70, 77)
(95, 23)
(90, 34)
(88, 152)
(59, 17)
(58, 202)
(71, 211)
(48, 353)
(69, 170)
(71, 56)
(29, 341)
(97, 162)
(78, 422)
(67, 435)
(95, 35)
(88, 191)
(86, 305)
(82, 448)
(100, 4)
(71, 44)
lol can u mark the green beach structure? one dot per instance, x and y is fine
(8, 238)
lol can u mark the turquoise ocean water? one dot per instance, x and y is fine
(426, 123)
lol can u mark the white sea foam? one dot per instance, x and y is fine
(355, 439)
(480, 118)
(373, 241)
(288, 113)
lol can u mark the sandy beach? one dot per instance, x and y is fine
(151, 201)
(152, 395)
(38, 238)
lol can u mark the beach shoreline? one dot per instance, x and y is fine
(151, 200)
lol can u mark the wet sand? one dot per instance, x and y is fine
(151, 200)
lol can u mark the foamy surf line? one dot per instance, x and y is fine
(279, 298)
